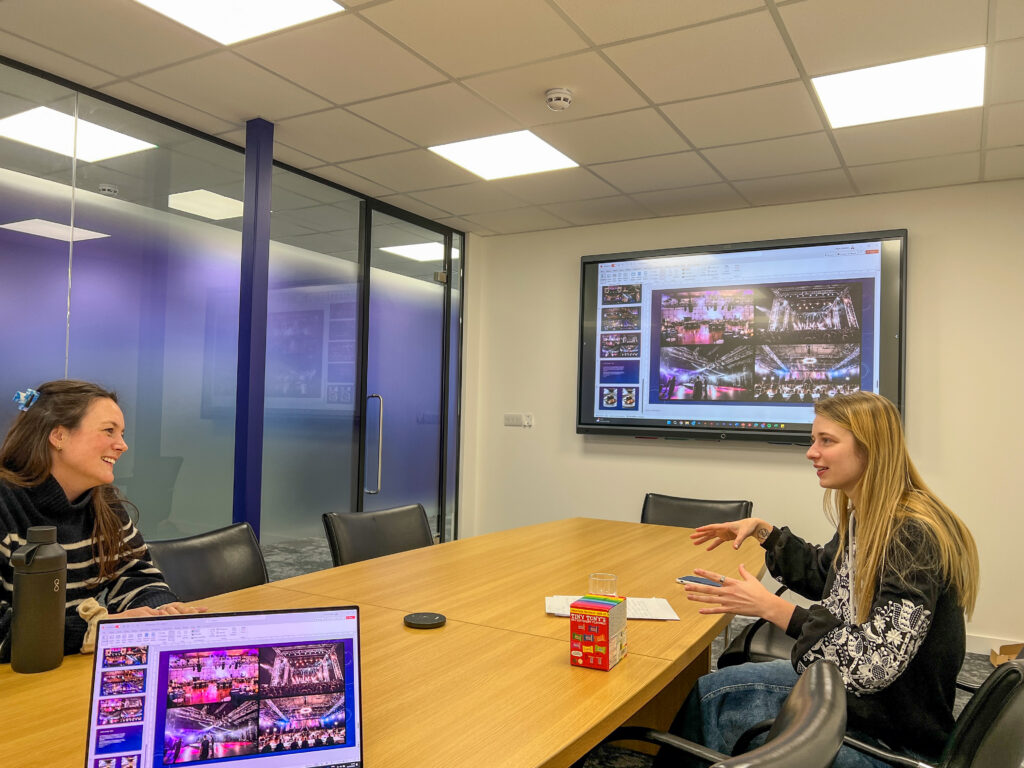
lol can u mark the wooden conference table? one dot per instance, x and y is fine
(493, 686)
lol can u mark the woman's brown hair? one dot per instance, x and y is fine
(26, 461)
(891, 494)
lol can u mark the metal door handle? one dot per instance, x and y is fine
(380, 443)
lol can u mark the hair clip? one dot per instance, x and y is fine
(25, 399)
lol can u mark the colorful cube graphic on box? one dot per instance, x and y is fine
(597, 631)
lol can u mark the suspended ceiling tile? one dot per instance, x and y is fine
(232, 88)
(337, 135)
(294, 158)
(798, 188)
(597, 89)
(1006, 163)
(85, 31)
(1005, 125)
(599, 211)
(555, 186)
(518, 220)
(465, 37)
(1009, 19)
(918, 174)
(335, 54)
(437, 115)
(466, 199)
(407, 171)
(704, 60)
(1007, 71)
(614, 137)
(662, 172)
(159, 104)
(774, 157)
(51, 61)
(837, 35)
(753, 115)
(605, 21)
(465, 225)
(415, 206)
(702, 199)
(351, 180)
(924, 136)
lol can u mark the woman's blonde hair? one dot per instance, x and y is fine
(892, 494)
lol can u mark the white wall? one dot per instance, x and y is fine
(964, 379)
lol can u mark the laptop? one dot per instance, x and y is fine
(266, 689)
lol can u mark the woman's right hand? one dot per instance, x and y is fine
(735, 531)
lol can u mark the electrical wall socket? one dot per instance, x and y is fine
(518, 419)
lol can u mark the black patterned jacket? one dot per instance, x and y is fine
(899, 666)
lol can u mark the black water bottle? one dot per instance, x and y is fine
(40, 580)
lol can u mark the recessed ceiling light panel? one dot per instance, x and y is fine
(925, 86)
(504, 155)
(230, 21)
(52, 230)
(203, 202)
(55, 131)
(418, 251)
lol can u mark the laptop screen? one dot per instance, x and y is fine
(270, 689)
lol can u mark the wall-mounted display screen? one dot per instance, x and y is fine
(739, 340)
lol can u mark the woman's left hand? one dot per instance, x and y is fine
(745, 596)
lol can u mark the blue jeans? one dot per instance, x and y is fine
(726, 703)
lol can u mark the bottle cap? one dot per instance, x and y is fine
(42, 534)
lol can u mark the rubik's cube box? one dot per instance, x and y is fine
(597, 626)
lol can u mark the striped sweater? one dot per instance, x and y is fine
(137, 582)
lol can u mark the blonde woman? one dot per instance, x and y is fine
(894, 584)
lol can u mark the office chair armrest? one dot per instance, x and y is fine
(756, 626)
(636, 733)
(963, 685)
(742, 744)
(884, 754)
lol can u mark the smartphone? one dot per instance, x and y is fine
(699, 580)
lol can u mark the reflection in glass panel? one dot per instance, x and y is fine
(309, 434)
(154, 315)
(454, 382)
(404, 366)
(35, 189)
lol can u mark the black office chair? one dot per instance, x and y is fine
(660, 509)
(988, 732)
(359, 536)
(211, 563)
(807, 733)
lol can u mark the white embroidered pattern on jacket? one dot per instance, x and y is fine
(870, 656)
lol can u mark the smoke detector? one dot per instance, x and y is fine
(558, 99)
(110, 190)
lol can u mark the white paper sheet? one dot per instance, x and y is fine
(636, 607)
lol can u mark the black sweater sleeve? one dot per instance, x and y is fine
(802, 567)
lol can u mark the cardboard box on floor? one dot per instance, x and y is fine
(1005, 653)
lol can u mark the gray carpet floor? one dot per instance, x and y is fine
(293, 558)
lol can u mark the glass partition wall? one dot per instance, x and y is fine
(121, 265)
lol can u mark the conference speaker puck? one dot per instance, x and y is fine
(425, 620)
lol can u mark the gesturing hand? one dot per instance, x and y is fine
(737, 531)
(745, 596)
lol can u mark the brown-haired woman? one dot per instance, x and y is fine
(57, 468)
(894, 584)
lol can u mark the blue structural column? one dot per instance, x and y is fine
(252, 322)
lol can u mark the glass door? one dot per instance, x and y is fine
(404, 367)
